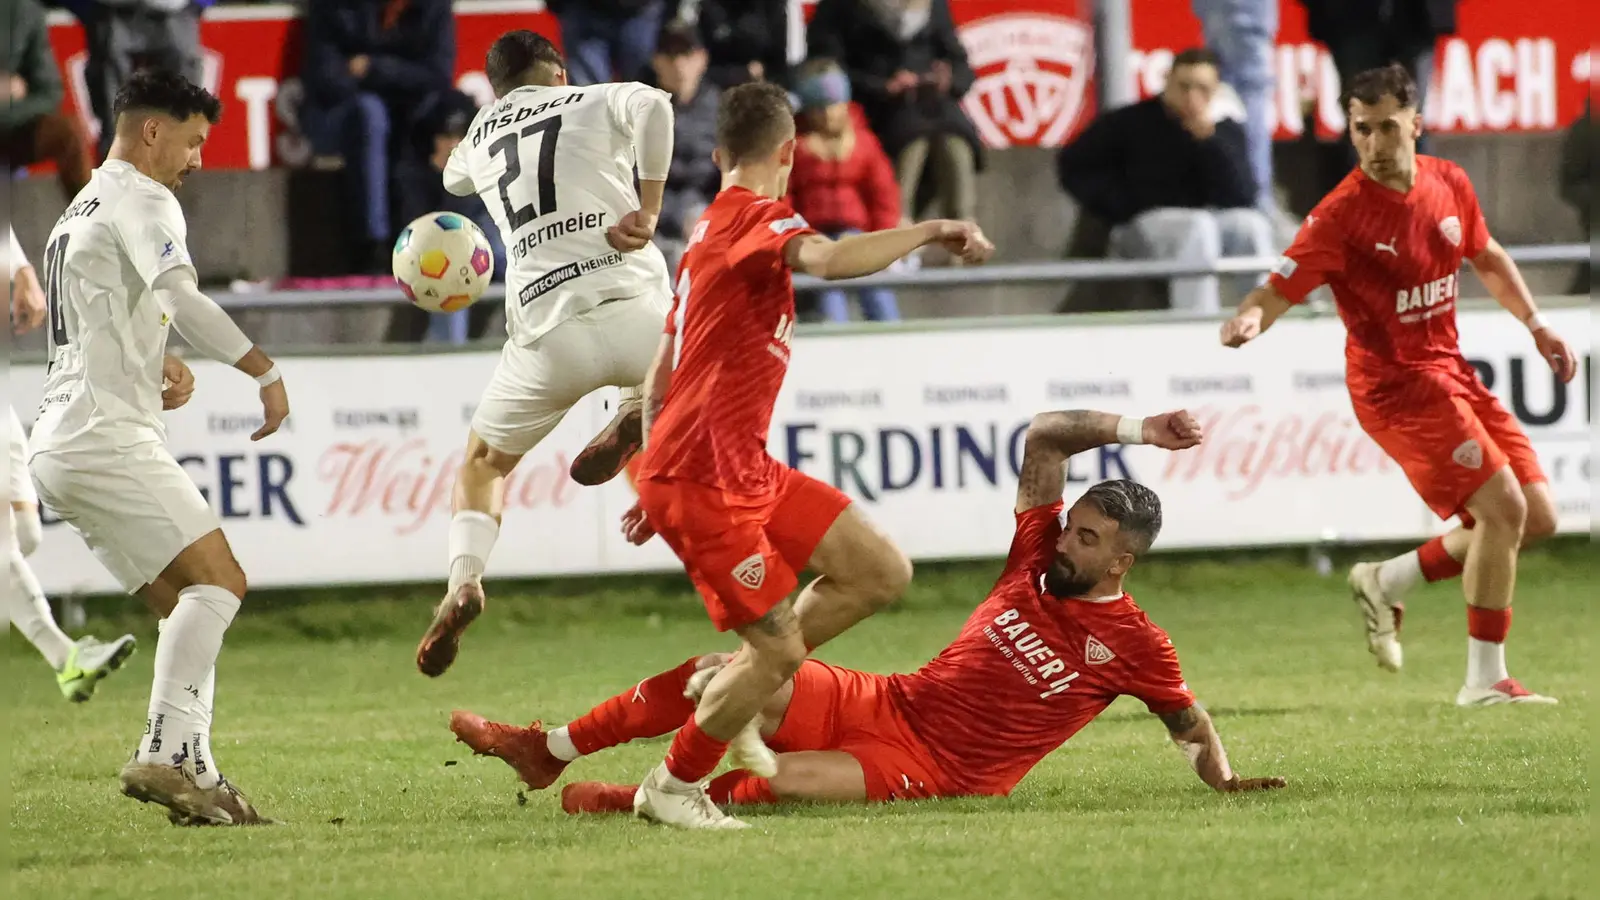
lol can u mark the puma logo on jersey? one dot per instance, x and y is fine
(1389, 247)
(751, 571)
(1096, 653)
(1426, 296)
(1469, 454)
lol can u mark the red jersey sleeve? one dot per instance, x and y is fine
(1317, 251)
(771, 227)
(1474, 230)
(1156, 679)
(1035, 539)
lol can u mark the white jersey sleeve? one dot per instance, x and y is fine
(457, 174)
(149, 223)
(16, 260)
(644, 115)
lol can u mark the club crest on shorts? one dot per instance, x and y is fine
(1096, 653)
(1450, 227)
(1469, 454)
(751, 571)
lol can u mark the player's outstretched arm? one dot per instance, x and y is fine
(1261, 307)
(865, 254)
(1504, 281)
(1194, 733)
(209, 330)
(1053, 437)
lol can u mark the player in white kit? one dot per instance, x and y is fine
(587, 293)
(117, 274)
(80, 664)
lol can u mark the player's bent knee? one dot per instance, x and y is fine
(1540, 522)
(1499, 505)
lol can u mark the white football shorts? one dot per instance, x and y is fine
(19, 487)
(532, 388)
(136, 508)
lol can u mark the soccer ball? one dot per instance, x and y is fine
(442, 262)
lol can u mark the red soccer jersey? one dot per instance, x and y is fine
(1029, 670)
(733, 315)
(1393, 261)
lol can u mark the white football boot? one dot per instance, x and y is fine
(662, 798)
(1382, 616)
(1506, 690)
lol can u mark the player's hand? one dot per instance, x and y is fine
(1557, 352)
(633, 232)
(27, 302)
(274, 409)
(177, 383)
(963, 239)
(1241, 329)
(635, 527)
(1239, 785)
(1173, 431)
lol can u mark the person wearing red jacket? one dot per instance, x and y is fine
(843, 182)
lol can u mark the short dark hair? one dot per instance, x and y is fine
(1371, 86)
(166, 92)
(1135, 508)
(515, 54)
(753, 120)
(1196, 56)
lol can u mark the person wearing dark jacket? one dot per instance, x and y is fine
(1172, 181)
(607, 40)
(33, 126)
(679, 68)
(745, 40)
(1577, 184)
(369, 67)
(909, 72)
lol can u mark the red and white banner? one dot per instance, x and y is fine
(1509, 67)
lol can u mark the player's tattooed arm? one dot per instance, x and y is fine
(656, 382)
(1192, 730)
(1051, 439)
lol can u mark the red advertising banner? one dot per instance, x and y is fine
(1513, 67)
(1510, 66)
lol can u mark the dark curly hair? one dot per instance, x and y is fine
(166, 92)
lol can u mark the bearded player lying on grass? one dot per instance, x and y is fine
(1054, 643)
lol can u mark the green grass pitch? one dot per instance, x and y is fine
(1394, 793)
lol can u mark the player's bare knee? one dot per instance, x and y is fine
(1500, 508)
(1539, 523)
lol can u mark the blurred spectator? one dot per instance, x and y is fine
(1577, 184)
(370, 68)
(908, 71)
(842, 181)
(1366, 34)
(35, 127)
(419, 189)
(680, 67)
(747, 40)
(1173, 182)
(124, 35)
(607, 40)
(1243, 33)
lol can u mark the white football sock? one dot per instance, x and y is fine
(30, 613)
(560, 745)
(1396, 577)
(186, 653)
(206, 772)
(1486, 663)
(472, 537)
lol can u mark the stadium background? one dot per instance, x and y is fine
(325, 718)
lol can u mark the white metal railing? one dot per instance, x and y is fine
(1063, 272)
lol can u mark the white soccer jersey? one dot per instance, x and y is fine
(108, 333)
(555, 166)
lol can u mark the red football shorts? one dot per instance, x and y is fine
(743, 553)
(842, 709)
(1451, 442)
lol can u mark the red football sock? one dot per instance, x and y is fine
(740, 788)
(694, 753)
(1437, 565)
(1488, 625)
(651, 708)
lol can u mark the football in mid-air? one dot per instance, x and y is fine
(443, 262)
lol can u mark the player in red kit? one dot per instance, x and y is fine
(744, 525)
(1054, 643)
(1390, 241)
